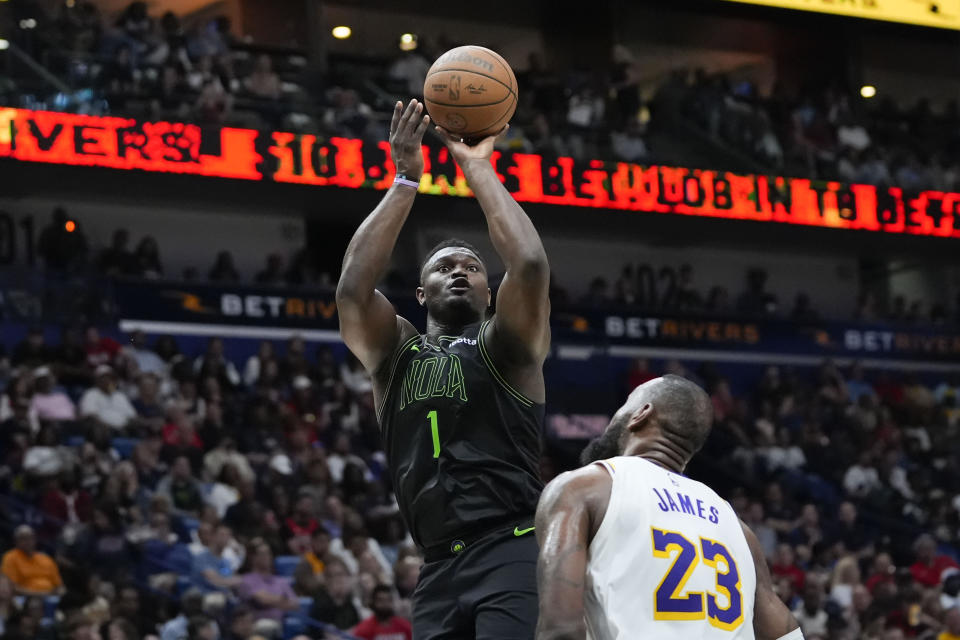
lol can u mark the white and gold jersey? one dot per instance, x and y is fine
(669, 561)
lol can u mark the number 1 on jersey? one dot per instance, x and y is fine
(436, 434)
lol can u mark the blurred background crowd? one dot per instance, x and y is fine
(150, 64)
(68, 253)
(193, 484)
(153, 492)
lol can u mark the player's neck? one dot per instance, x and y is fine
(660, 455)
(660, 462)
(437, 327)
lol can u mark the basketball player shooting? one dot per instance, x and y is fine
(461, 406)
(631, 548)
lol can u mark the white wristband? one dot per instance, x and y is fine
(796, 634)
(402, 179)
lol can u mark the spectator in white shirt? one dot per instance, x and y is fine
(104, 403)
(853, 135)
(256, 364)
(862, 478)
(341, 456)
(224, 494)
(948, 391)
(785, 454)
(628, 145)
(50, 403)
(810, 614)
(354, 376)
(214, 364)
(146, 358)
(226, 453)
(411, 69)
(47, 458)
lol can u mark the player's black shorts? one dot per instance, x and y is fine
(486, 591)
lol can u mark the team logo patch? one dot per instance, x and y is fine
(457, 546)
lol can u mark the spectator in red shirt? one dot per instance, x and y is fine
(883, 572)
(299, 527)
(383, 624)
(929, 567)
(100, 350)
(889, 389)
(180, 437)
(784, 566)
(66, 504)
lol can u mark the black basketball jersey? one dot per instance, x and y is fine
(463, 445)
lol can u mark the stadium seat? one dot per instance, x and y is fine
(190, 524)
(286, 565)
(50, 606)
(180, 560)
(124, 446)
(183, 583)
(292, 627)
(306, 604)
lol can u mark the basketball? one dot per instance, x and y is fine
(471, 92)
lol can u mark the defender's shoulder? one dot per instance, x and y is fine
(586, 483)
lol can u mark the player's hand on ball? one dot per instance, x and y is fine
(464, 153)
(406, 137)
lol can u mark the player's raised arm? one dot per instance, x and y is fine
(568, 516)
(772, 619)
(521, 325)
(368, 323)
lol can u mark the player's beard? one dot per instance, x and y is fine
(455, 312)
(605, 446)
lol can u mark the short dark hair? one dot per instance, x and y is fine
(381, 588)
(446, 244)
(684, 411)
(321, 531)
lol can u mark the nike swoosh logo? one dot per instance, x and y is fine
(517, 531)
(415, 348)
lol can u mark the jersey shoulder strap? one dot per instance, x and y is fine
(604, 540)
(484, 348)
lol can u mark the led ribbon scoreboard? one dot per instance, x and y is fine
(944, 14)
(306, 159)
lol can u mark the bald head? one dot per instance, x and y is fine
(24, 539)
(667, 419)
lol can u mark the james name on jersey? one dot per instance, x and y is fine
(684, 504)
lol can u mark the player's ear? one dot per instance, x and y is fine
(489, 297)
(640, 417)
(421, 296)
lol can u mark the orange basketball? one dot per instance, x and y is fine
(471, 92)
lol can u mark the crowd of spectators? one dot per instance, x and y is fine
(848, 480)
(154, 66)
(676, 291)
(147, 491)
(638, 286)
(170, 495)
(827, 134)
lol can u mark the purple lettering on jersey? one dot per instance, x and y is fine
(673, 505)
(686, 504)
(700, 509)
(714, 515)
(662, 503)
